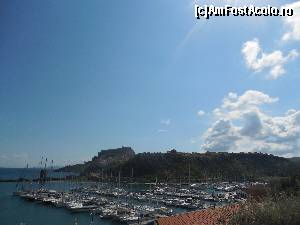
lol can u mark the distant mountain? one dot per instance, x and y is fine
(175, 165)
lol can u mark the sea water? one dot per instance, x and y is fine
(28, 173)
(15, 210)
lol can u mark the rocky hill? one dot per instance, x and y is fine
(106, 159)
(182, 166)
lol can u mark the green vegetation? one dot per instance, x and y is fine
(280, 205)
(176, 166)
(281, 211)
(224, 166)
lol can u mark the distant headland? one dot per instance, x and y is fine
(175, 166)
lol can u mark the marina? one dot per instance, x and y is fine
(133, 203)
(115, 202)
(139, 113)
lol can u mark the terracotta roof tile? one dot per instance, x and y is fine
(211, 216)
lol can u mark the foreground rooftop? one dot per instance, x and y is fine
(212, 216)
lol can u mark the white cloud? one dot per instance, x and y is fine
(193, 141)
(162, 131)
(257, 60)
(200, 113)
(166, 122)
(292, 23)
(241, 125)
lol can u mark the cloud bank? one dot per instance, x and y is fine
(292, 24)
(241, 125)
(257, 60)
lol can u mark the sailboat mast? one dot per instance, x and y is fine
(189, 173)
(119, 178)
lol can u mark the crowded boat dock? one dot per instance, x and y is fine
(131, 205)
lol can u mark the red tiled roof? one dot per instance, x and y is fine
(211, 216)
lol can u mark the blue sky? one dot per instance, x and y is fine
(80, 76)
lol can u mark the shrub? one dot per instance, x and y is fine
(280, 210)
